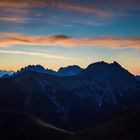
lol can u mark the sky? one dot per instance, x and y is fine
(58, 33)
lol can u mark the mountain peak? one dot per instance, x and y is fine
(115, 63)
(37, 68)
(29, 68)
(113, 72)
(69, 70)
(103, 65)
(70, 67)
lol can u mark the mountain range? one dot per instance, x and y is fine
(63, 71)
(71, 101)
(4, 72)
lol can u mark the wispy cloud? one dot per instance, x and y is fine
(64, 5)
(45, 55)
(10, 12)
(18, 11)
(84, 9)
(24, 8)
(7, 39)
(14, 19)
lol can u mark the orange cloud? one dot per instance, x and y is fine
(14, 19)
(12, 10)
(64, 5)
(8, 39)
(14, 3)
(24, 7)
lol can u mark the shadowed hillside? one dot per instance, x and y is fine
(15, 125)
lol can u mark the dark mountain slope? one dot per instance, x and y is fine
(22, 126)
(16, 125)
(138, 77)
(123, 126)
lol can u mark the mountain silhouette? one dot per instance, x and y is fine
(72, 102)
(69, 71)
(63, 71)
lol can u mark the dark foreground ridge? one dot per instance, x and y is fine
(20, 126)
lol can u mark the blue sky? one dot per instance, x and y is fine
(58, 33)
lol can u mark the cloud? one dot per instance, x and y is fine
(84, 9)
(22, 6)
(14, 19)
(10, 12)
(46, 55)
(8, 39)
(18, 11)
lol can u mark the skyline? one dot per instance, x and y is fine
(64, 32)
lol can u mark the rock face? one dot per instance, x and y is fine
(72, 102)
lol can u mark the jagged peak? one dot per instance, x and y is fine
(104, 67)
(33, 67)
(70, 66)
(102, 63)
(116, 63)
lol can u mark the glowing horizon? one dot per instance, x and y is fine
(56, 34)
(133, 71)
